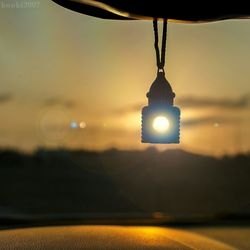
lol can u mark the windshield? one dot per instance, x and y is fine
(71, 92)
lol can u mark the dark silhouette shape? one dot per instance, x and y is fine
(130, 9)
(5, 97)
(160, 91)
(175, 182)
(160, 109)
(160, 103)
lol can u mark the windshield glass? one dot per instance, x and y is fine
(72, 90)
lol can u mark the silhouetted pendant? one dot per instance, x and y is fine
(160, 119)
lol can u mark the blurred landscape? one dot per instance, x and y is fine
(173, 182)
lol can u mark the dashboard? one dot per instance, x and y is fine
(126, 237)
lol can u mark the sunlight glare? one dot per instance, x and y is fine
(161, 124)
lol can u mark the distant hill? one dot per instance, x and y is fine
(174, 182)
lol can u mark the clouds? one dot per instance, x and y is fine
(5, 97)
(52, 101)
(209, 120)
(216, 118)
(59, 101)
(129, 109)
(196, 102)
(201, 102)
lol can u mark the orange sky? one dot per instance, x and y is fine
(57, 66)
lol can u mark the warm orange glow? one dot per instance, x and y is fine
(89, 85)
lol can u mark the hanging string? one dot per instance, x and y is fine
(160, 59)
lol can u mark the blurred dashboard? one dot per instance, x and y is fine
(126, 237)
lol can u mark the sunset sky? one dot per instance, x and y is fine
(59, 68)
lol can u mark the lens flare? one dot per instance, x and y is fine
(160, 124)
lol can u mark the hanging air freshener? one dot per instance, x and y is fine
(160, 119)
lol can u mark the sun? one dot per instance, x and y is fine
(160, 124)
